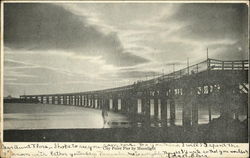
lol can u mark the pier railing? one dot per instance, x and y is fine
(228, 65)
(209, 64)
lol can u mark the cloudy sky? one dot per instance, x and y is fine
(68, 47)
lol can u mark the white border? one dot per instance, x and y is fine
(2, 47)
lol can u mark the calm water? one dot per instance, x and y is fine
(47, 116)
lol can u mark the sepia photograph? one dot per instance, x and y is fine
(140, 72)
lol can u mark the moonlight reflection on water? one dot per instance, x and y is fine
(45, 116)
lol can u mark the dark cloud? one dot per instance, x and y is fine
(121, 59)
(47, 26)
(175, 63)
(212, 21)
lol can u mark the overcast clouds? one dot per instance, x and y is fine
(59, 48)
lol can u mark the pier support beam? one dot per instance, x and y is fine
(156, 108)
(186, 114)
(84, 101)
(115, 104)
(67, 100)
(87, 101)
(106, 103)
(103, 102)
(227, 103)
(75, 101)
(92, 102)
(61, 100)
(172, 111)
(209, 105)
(164, 111)
(99, 103)
(53, 99)
(80, 100)
(42, 100)
(133, 105)
(146, 110)
(64, 100)
(195, 111)
(187, 109)
(70, 100)
(124, 105)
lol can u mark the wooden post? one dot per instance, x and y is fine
(186, 111)
(75, 100)
(86, 100)
(80, 100)
(47, 100)
(115, 104)
(156, 114)
(172, 111)
(164, 114)
(98, 103)
(53, 99)
(208, 63)
(209, 105)
(42, 99)
(146, 111)
(133, 109)
(195, 112)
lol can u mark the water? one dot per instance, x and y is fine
(203, 112)
(47, 116)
